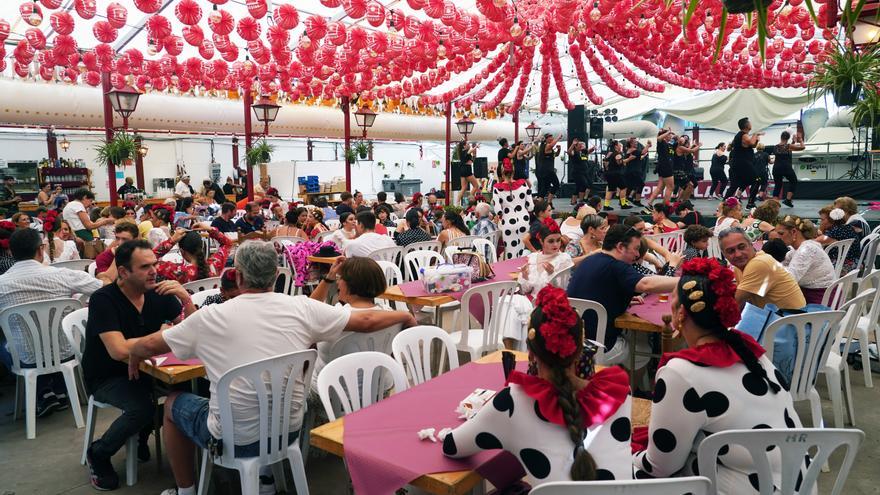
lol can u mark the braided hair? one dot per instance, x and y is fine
(706, 291)
(192, 244)
(584, 467)
(51, 224)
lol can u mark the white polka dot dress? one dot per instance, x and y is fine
(694, 400)
(513, 203)
(513, 421)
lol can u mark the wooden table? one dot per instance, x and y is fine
(329, 437)
(173, 375)
(324, 260)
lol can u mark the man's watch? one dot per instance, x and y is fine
(330, 280)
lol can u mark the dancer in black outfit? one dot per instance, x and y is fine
(615, 175)
(548, 181)
(742, 162)
(665, 152)
(685, 178)
(782, 167)
(578, 154)
(466, 154)
(635, 170)
(719, 178)
(762, 168)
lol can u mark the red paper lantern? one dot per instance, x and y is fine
(188, 12)
(230, 55)
(248, 28)
(223, 23)
(375, 13)
(117, 14)
(51, 4)
(286, 16)
(31, 13)
(92, 78)
(35, 38)
(257, 8)
(148, 6)
(4, 30)
(85, 8)
(47, 72)
(331, 4)
(206, 49)
(355, 8)
(316, 27)
(104, 32)
(65, 44)
(193, 35)
(336, 33)
(173, 45)
(21, 70)
(158, 27)
(61, 22)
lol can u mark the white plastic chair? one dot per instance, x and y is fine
(448, 251)
(810, 356)
(277, 377)
(287, 275)
(78, 265)
(463, 241)
(487, 249)
(412, 349)
(841, 247)
(413, 261)
(836, 366)
(332, 224)
(714, 248)
(869, 320)
(392, 254)
(356, 381)
(560, 279)
(424, 245)
(868, 256)
(583, 305)
(476, 342)
(392, 277)
(92, 268)
(74, 327)
(289, 239)
(322, 236)
(794, 445)
(672, 241)
(40, 325)
(203, 284)
(198, 298)
(493, 237)
(695, 485)
(839, 291)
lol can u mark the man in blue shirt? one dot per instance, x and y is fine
(224, 222)
(609, 278)
(252, 221)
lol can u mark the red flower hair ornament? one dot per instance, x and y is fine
(552, 227)
(559, 318)
(720, 283)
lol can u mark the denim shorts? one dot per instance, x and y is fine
(190, 414)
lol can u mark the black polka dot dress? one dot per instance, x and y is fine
(513, 202)
(513, 421)
(693, 400)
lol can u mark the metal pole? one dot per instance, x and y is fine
(448, 152)
(248, 140)
(52, 144)
(108, 132)
(347, 129)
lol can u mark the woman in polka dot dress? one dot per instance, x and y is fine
(722, 381)
(560, 426)
(512, 202)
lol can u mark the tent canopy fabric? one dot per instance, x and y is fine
(722, 109)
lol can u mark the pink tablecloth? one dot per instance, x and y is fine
(383, 451)
(653, 310)
(502, 271)
(169, 359)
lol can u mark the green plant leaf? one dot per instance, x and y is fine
(761, 9)
(719, 43)
(689, 13)
(812, 11)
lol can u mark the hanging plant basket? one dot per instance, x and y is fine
(119, 150)
(846, 95)
(362, 148)
(744, 6)
(260, 152)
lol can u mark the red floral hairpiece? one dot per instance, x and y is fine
(51, 220)
(7, 225)
(731, 202)
(129, 204)
(721, 282)
(559, 318)
(551, 225)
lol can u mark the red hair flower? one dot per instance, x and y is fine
(721, 282)
(559, 318)
(7, 225)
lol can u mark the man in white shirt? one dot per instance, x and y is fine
(183, 189)
(27, 281)
(367, 240)
(257, 324)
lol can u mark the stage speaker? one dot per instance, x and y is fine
(577, 123)
(596, 128)
(455, 185)
(481, 167)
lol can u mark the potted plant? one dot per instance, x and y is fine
(351, 155)
(844, 73)
(453, 208)
(866, 112)
(261, 152)
(363, 149)
(119, 150)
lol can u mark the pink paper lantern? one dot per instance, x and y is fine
(117, 14)
(148, 6)
(104, 32)
(61, 22)
(86, 9)
(286, 16)
(248, 28)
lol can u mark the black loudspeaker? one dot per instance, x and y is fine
(577, 123)
(481, 167)
(596, 128)
(455, 185)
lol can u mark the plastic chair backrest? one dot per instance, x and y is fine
(277, 376)
(463, 241)
(487, 249)
(695, 485)
(38, 323)
(78, 265)
(810, 355)
(793, 445)
(203, 284)
(199, 297)
(289, 239)
(493, 313)
(352, 342)
(412, 349)
(392, 277)
(414, 260)
(714, 248)
(872, 309)
(839, 291)
(423, 246)
(847, 326)
(583, 305)
(74, 327)
(392, 254)
(868, 257)
(561, 278)
(320, 236)
(287, 276)
(332, 224)
(92, 269)
(672, 241)
(357, 382)
(841, 247)
(448, 251)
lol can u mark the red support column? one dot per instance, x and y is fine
(139, 164)
(515, 129)
(235, 154)
(309, 147)
(448, 152)
(344, 104)
(108, 131)
(52, 145)
(697, 140)
(248, 98)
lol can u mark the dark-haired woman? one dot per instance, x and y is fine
(453, 228)
(414, 230)
(294, 224)
(58, 243)
(195, 266)
(662, 223)
(6, 259)
(512, 201)
(782, 168)
(560, 426)
(614, 175)
(722, 381)
(716, 171)
(76, 214)
(161, 221)
(467, 152)
(543, 209)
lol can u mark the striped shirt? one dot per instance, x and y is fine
(28, 281)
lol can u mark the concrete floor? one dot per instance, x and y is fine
(49, 464)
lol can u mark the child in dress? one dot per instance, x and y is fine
(696, 239)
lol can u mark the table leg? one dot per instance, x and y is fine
(631, 340)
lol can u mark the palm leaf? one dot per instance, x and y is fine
(688, 14)
(720, 41)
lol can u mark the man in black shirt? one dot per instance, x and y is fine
(742, 162)
(119, 314)
(224, 222)
(346, 206)
(252, 221)
(127, 188)
(219, 195)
